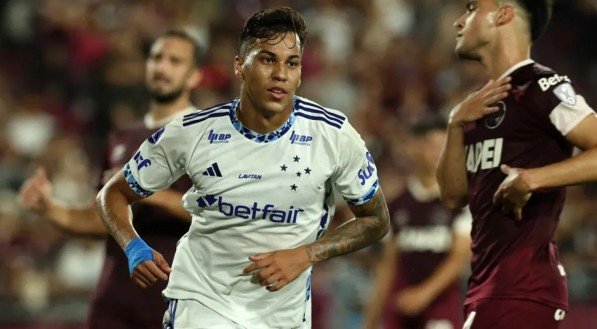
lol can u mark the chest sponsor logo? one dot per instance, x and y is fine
(254, 211)
(365, 174)
(483, 155)
(565, 93)
(215, 138)
(548, 82)
(493, 120)
(300, 139)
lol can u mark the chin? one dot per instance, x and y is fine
(466, 54)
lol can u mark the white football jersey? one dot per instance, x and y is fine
(252, 194)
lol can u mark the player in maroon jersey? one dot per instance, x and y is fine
(172, 71)
(508, 155)
(417, 281)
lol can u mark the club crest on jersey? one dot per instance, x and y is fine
(493, 120)
(215, 138)
(565, 93)
(365, 174)
(300, 139)
(155, 137)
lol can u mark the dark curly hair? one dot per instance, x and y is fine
(269, 24)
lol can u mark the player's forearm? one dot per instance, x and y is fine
(113, 206)
(371, 224)
(451, 170)
(576, 170)
(79, 221)
(170, 200)
(450, 269)
(384, 274)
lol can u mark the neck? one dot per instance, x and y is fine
(503, 55)
(260, 120)
(160, 111)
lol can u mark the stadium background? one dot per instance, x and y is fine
(70, 70)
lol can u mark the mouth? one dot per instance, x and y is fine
(277, 92)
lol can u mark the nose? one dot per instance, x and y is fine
(280, 72)
(459, 23)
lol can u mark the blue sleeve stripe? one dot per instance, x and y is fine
(211, 115)
(307, 103)
(133, 184)
(320, 113)
(305, 115)
(203, 114)
(367, 197)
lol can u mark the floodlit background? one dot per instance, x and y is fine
(70, 70)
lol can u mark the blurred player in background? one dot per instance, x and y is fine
(508, 155)
(417, 282)
(263, 167)
(172, 71)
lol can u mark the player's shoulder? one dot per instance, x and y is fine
(553, 86)
(207, 116)
(321, 117)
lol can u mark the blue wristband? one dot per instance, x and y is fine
(137, 251)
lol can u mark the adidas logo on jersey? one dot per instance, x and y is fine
(213, 171)
(546, 83)
(215, 138)
(255, 211)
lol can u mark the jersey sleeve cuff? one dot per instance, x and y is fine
(134, 184)
(366, 197)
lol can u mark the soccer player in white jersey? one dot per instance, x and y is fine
(264, 169)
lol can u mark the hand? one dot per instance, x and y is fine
(36, 193)
(481, 102)
(148, 272)
(276, 269)
(413, 300)
(514, 192)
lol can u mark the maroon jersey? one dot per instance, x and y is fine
(118, 301)
(518, 259)
(424, 231)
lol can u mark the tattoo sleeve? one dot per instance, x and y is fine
(372, 222)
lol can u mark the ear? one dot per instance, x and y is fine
(195, 79)
(505, 15)
(238, 68)
(299, 83)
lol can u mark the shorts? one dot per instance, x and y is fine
(191, 314)
(511, 313)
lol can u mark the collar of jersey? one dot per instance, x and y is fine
(256, 137)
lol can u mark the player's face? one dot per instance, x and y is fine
(271, 73)
(170, 70)
(475, 28)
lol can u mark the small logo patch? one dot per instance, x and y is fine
(493, 120)
(156, 136)
(213, 171)
(565, 93)
(559, 315)
(300, 139)
(215, 138)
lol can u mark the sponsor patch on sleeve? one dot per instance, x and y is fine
(565, 93)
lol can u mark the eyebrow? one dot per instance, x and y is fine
(267, 52)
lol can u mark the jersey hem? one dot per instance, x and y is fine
(558, 305)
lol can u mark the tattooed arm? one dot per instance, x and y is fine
(372, 222)
(276, 269)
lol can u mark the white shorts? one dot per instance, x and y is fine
(190, 314)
